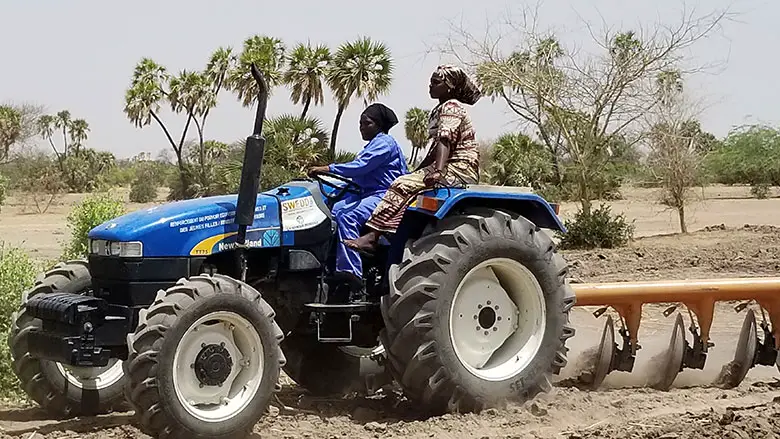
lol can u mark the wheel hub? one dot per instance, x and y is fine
(213, 365)
(487, 317)
(218, 366)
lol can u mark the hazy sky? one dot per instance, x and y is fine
(79, 55)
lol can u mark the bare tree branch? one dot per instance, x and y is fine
(589, 99)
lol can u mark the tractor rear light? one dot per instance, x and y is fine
(428, 203)
(556, 208)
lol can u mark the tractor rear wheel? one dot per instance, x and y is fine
(205, 360)
(324, 369)
(61, 390)
(478, 313)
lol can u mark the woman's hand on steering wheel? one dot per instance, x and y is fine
(317, 170)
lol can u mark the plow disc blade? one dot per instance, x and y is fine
(745, 355)
(672, 359)
(605, 355)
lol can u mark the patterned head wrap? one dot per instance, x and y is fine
(462, 87)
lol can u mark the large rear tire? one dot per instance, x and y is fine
(63, 391)
(324, 369)
(478, 313)
(205, 360)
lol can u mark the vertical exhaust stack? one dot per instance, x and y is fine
(250, 171)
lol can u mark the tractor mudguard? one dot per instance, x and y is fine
(440, 202)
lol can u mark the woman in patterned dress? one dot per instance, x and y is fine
(453, 157)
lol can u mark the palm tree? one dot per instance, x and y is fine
(78, 130)
(10, 129)
(219, 65)
(292, 146)
(142, 104)
(267, 54)
(360, 68)
(670, 85)
(295, 143)
(517, 160)
(416, 128)
(62, 122)
(305, 73)
(192, 93)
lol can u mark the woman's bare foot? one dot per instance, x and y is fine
(366, 243)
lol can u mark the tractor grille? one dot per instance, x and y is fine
(135, 282)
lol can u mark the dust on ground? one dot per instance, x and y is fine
(733, 237)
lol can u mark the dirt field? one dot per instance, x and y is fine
(732, 236)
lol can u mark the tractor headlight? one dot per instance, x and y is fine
(132, 249)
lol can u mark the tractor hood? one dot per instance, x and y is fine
(203, 226)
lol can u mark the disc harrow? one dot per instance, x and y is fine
(699, 298)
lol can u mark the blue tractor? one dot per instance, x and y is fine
(189, 311)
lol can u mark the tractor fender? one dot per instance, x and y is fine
(440, 202)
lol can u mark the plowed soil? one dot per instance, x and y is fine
(732, 237)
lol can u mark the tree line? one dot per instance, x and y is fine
(590, 122)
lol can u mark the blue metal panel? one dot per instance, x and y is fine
(453, 196)
(201, 226)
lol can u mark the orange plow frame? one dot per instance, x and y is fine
(699, 297)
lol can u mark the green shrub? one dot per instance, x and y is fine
(17, 274)
(3, 190)
(599, 229)
(143, 190)
(93, 211)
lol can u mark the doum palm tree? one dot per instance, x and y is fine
(361, 68)
(416, 130)
(305, 74)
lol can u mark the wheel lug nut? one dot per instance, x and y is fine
(203, 345)
(488, 302)
(495, 329)
(487, 332)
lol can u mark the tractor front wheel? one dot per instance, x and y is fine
(478, 313)
(205, 360)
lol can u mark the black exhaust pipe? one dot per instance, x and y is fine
(251, 171)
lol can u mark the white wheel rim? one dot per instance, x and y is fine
(213, 403)
(497, 319)
(92, 378)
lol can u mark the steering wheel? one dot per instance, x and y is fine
(349, 185)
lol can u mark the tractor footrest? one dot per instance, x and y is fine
(66, 308)
(74, 350)
(334, 321)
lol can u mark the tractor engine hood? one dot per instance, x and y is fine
(200, 226)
